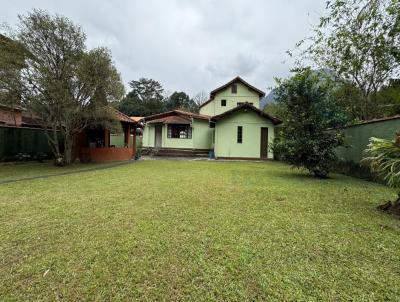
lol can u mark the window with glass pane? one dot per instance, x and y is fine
(239, 134)
(179, 131)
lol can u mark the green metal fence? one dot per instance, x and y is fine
(19, 143)
(357, 137)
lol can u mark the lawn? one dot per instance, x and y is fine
(197, 231)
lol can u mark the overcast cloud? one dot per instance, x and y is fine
(189, 45)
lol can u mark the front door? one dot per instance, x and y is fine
(158, 136)
(264, 143)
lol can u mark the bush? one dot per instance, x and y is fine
(304, 140)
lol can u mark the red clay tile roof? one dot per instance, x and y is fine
(136, 119)
(171, 120)
(123, 117)
(181, 113)
(274, 120)
(237, 79)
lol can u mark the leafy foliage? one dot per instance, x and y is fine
(63, 84)
(383, 156)
(12, 56)
(304, 141)
(180, 100)
(145, 98)
(360, 41)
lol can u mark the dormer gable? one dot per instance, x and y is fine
(233, 93)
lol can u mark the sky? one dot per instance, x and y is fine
(188, 45)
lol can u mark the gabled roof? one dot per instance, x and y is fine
(183, 114)
(235, 80)
(136, 119)
(247, 106)
(123, 117)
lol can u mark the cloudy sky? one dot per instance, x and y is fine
(189, 45)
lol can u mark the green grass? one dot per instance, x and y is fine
(197, 231)
(14, 171)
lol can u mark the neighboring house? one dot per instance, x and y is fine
(230, 123)
(21, 132)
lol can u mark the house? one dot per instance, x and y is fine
(230, 123)
(94, 143)
(21, 133)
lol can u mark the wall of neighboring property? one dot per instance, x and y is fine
(17, 141)
(226, 135)
(201, 137)
(244, 94)
(10, 117)
(357, 138)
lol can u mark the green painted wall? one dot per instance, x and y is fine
(357, 138)
(117, 140)
(202, 134)
(22, 140)
(244, 94)
(226, 135)
(148, 136)
(201, 137)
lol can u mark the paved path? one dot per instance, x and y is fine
(99, 167)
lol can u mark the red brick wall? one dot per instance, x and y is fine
(99, 155)
(10, 118)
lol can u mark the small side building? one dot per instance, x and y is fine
(94, 144)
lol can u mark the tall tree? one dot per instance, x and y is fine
(12, 57)
(145, 98)
(359, 41)
(180, 100)
(65, 85)
(304, 141)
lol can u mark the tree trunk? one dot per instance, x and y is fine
(52, 139)
(68, 142)
(392, 207)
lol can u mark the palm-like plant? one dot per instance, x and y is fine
(383, 156)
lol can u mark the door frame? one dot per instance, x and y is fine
(159, 127)
(264, 140)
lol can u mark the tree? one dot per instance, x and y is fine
(383, 156)
(12, 57)
(145, 98)
(388, 99)
(200, 98)
(65, 85)
(358, 40)
(304, 140)
(275, 109)
(180, 100)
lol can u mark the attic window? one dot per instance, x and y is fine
(223, 103)
(234, 88)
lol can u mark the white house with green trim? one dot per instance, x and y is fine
(230, 123)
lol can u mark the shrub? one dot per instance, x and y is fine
(304, 140)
